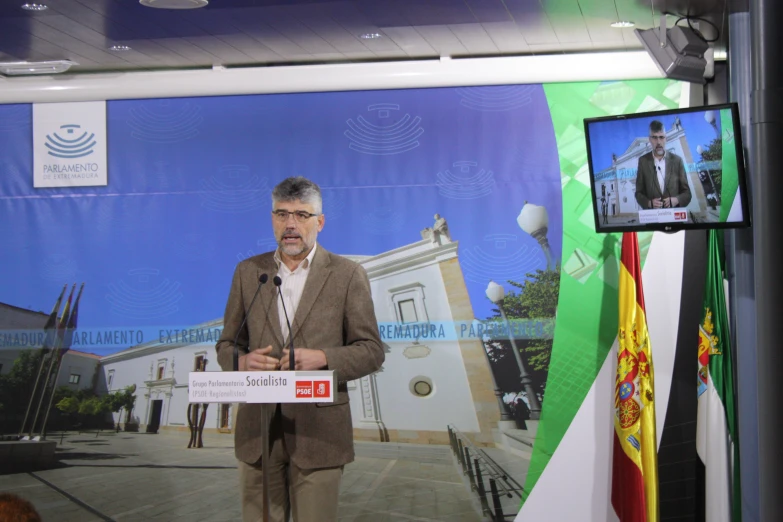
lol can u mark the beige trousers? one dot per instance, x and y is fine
(307, 495)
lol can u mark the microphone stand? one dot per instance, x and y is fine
(263, 278)
(265, 462)
(265, 438)
(291, 356)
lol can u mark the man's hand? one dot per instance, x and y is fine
(657, 203)
(672, 202)
(306, 359)
(259, 360)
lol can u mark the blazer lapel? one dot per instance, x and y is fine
(319, 273)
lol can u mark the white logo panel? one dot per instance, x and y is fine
(69, 145)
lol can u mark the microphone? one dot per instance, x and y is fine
(263, 278)
(291, 358)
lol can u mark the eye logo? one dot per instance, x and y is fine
(72, 145)
(384, 133)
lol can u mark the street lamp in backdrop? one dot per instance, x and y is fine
(505, 413)
(709, 117)
(701, 150)
(497, 294)
(534, 220)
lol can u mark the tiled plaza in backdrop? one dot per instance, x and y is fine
(135, 477)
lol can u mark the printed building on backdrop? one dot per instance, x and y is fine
(434, 375)
(78, 370)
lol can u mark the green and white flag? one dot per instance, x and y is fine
(717, 428)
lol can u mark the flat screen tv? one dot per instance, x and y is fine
(668, 170)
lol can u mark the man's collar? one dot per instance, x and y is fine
(305, 264)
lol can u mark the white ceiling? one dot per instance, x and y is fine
(236, 33)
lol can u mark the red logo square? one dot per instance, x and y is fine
(304, 389)
(679, 215)
(321, 388)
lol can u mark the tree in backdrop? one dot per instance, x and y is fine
(85, 407)
(80, 407)
(122, 400)
(68, 405)
(714, 152)
(16, 386)
(536, 299)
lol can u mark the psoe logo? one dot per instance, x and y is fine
(321, 389)
(304, 389)
(71, 144)
(679, 216)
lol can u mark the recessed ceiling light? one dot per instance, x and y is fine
(370, 36)
(119, 48)
(623, 24)
(25, 68)
(34, 7)
(174, 4)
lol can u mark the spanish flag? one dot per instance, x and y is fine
(635, 460)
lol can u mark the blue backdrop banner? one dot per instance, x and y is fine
(189, 196)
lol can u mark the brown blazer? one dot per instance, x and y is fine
(674, 181)
(335, 315)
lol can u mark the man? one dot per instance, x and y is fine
(327, 298)
(660, 175)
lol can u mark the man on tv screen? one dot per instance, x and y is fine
(660, 176)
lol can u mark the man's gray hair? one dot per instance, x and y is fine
(298, 188)
(656, 126)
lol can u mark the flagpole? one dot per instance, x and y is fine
(53, 356)
(66, 345)
(47, 328)
(51, 397)
(35, 388)
(57, 343)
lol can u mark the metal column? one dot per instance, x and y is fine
(766, 131)
(739, 268)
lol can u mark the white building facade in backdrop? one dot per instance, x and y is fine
(22, 330)
(431, 378)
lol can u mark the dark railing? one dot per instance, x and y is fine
(486, 477)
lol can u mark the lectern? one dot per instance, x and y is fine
(261, 388)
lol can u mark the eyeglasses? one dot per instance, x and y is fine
(299, 215)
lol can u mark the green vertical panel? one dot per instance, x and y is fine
(729, 184)
(587, 307)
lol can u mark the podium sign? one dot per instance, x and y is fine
(663, 215)
(261, 387)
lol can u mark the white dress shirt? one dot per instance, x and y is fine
(660, 170)
(292, 287)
